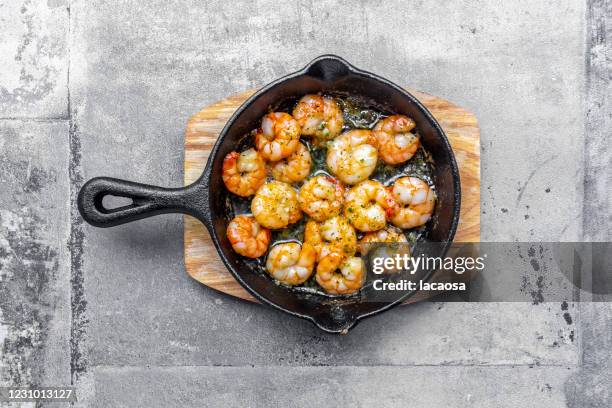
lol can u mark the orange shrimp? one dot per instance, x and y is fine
(243, 173)
(340, 275)
(278, 137)
(396, 142)
(417, 202)
(247, 237)
(319, 116)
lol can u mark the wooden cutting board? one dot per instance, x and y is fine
(201, 259)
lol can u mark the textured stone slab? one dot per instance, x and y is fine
(597, 212)
(34, 258)
(34, 59)
(430, 387)
(590, 386)
(425, 334)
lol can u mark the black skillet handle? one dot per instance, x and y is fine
(146, 201)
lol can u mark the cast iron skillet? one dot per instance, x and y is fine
(206, 198)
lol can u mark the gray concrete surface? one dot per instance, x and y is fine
(331, 386)
(105, 88)
(34, 59)
(34, 257)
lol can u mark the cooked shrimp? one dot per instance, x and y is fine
(278, 137)
(291, 263)
(417, 202)
(319, 116)
(388, 235)
(243, 173)
(294, 168)
(321, 197)
(352, 156)
(339, 275)
(275, 205)
(368, 205)
(333, 235)
(396, 144)
(247, 237)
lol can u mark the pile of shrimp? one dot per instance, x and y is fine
(337, 205)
